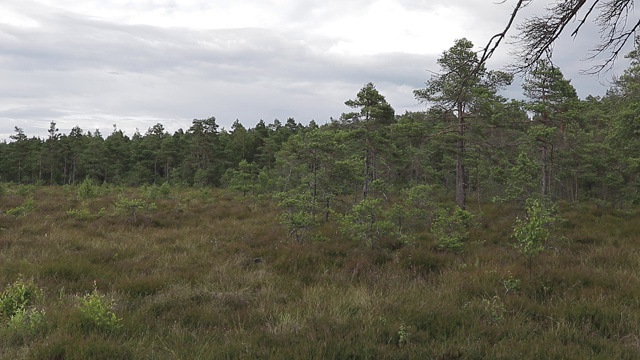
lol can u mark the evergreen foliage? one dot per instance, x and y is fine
(471, 142)
(451, 228)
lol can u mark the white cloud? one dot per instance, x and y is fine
(135, 63)
(385, 26)
(13, 18)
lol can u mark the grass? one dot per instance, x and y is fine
(205, 275)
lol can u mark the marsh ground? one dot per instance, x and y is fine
(205, 274)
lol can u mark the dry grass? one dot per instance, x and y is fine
(206, 275)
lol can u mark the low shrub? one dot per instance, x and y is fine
(19, 317)
(27, 207)
(97, 312)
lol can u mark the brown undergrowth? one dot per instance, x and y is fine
(203, 274)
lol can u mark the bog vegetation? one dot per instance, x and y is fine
(481, 228)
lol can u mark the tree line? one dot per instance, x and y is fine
(470, 144)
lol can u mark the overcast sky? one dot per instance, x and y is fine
(135, 63)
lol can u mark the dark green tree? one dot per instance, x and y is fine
(462, 83)
(623, 105)
(20, 153)
(374, 114)
(203, 160)
(117, 153)
(551, 98)
(53, 144)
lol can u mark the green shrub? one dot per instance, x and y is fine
(97, 311)
(27, 207)
(132, 206)
(365, 222)
(154, 191)
(244, 179)
(165, 190)
(511, 284)
(25, 190)
(27, 321)
(533, 232)
(125, 205)
(18, 297)
(451, 228)
(298, 214)
(403, 335)
(412, 213)
(18, 315)
(87, 189)
(80, 214)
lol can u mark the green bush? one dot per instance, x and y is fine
(80, 214)
(87, 189)
(244, 179)
(25, 190)
(533, 232)
(27, 207)
(97, 311)
(451, 228)
(26, 321)
(18, 315)
(18, 297)
(298, 214)
(132, 206)
(365, 222)
(154, 191)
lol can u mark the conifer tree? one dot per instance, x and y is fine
(461, 83)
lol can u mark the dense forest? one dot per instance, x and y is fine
(471, 142)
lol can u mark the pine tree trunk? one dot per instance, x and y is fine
(155, 170)
(314, 170)
(461, 198)
(73, 176)
(544, 174)
(478, 188)
(550, 187)
(327, 209)
(365, 184)
(64, 172)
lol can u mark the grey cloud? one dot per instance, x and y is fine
(70, 42)
(94, 73)
(74, 64)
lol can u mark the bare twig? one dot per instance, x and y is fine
(537, 34)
